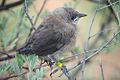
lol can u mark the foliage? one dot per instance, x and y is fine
(13, 25)
(32, 63)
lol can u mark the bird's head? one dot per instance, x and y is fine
(68, 14)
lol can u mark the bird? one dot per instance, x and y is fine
(55, 33)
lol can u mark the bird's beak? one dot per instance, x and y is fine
(81, 15)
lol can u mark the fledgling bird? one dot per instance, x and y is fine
(56, 32)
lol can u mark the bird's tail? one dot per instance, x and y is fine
(24, 50)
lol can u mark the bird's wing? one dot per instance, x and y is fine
(46, 41)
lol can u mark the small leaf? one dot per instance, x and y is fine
(20, 59)
(39, 73)
(32, 62)
(14, 67)
(3, 23)
(4, 68)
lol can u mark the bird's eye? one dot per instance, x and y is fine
(73, 18)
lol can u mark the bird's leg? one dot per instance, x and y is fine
(52, 60)
(60, 66)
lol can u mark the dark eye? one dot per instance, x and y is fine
(73, 17)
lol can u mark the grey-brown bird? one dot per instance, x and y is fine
(56, 32)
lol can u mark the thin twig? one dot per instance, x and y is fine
(78, 54)
(26, 12)
(11, 5)
(102, 32)
(3, 49)
(97, 10)
(23, 73)
(102, 72)
(3, 3)
(41, 9)
(116, 14)
(9, 77)
(98, 51)
(89, 51)
(15, 39)
(7, 57)
(108, 5)
(86, 46)
(4, 53)
(66, 73)
(89, 33)
(89, 36)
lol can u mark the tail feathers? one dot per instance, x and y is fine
(25, 50)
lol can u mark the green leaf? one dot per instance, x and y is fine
(4, 68)
(39, 73)
(15, 68)
(20, 59)
(76, 50)
(3, 22)
(30, 76)
(32, 62)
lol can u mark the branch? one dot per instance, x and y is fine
(41, 9)
(9, 77)
(98, 51)
(102, 71)
(116, 14)
(114, 3)
(89, 33)
(26, 12)
(3, 3)
(11, 5)
(98, 9)
(7, 57)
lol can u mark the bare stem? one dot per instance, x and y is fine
(41, 9)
